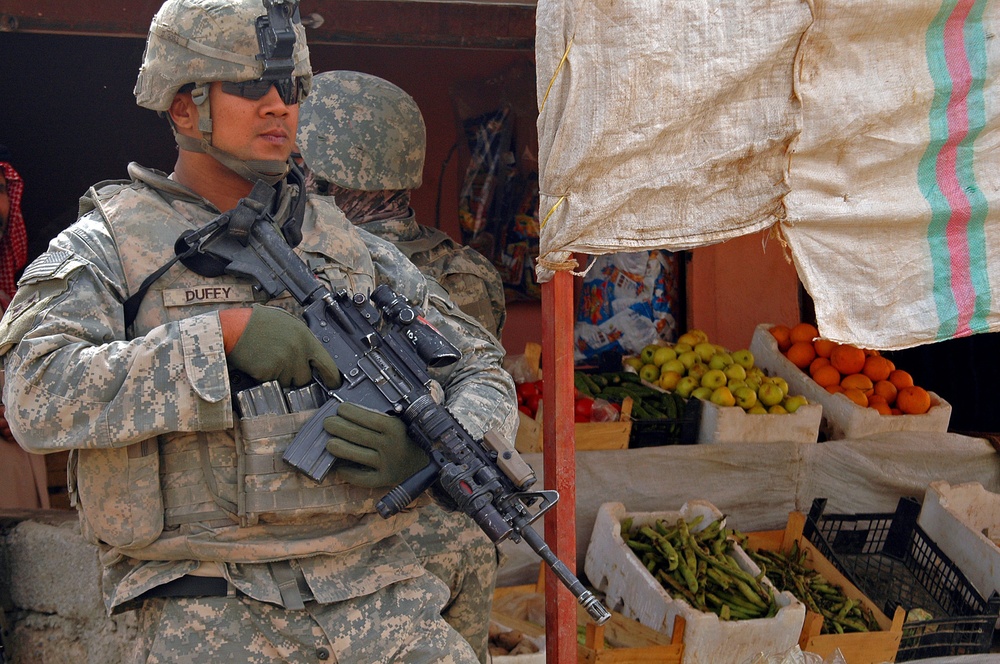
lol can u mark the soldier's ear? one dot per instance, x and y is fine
(183, 113)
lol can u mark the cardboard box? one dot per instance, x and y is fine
(842, 418)
(629, 587)
(857, 648)
(964, 521)
(588, 435)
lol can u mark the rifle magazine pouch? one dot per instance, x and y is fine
(273, 491)
(118, 494)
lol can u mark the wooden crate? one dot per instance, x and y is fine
(621, 640)
(857, 648)
(588, 435)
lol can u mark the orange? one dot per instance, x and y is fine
(875, 399)
(858, 381)
(876, 367)
(882, 408)
(803, 332)
(886, 390)
(857, 396)
(847, 359)
(824, 347)
(900, 378)
(781, 334)
(913, 400)
(834, 389)
(817, 363)
(801, 353)
(826, 376)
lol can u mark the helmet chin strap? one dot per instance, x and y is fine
(268, 170)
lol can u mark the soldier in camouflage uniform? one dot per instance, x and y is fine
(363, 141)
(228, 553)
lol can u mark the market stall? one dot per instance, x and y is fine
(871, 165)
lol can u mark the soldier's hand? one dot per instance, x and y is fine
(275, 345)
(377, 445)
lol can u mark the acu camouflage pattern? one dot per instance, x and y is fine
(452, 547)
(127, 399)
(202, 41)
(362, 132)
(378, 628)
(470, 279)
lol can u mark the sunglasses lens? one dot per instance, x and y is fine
(289, 89)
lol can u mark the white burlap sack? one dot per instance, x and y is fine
(895, 185)
(667, 123)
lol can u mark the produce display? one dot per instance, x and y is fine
(841, 614)
(864, 376)
(698, 567)
(696, 367)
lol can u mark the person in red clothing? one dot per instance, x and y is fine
(22, 475)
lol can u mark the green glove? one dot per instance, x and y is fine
(275, 345)
(377, 445)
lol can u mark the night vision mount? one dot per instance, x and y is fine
(276, 37)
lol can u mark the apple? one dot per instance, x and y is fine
(793, 403)
(753, 382)
(757, 410)
(782, 383)
(722, 396)
(688, 358)
(686, 385)
(683, 347)
(703, 393)
(698, 369)
(673, 365)
(720, 360)
(700, 335)
(736, 372)
(647, 352)
(705, 351)
(649, 373)
(777, 409)
(770, 394)
(668, 380)
(714, 378)
(743, 357)
(746, 398)
(689, 339)
(733, 384)
(633, 361)
(663, 354)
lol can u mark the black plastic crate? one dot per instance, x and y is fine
(892, 560)
(680, 431)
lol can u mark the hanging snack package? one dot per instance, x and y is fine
(628, 300)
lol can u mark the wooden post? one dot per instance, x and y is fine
(558, 453)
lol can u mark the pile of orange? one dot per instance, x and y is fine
(864, 376)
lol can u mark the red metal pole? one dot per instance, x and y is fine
(558, 453)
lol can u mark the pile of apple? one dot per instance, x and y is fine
(695, 367)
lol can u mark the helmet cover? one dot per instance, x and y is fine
(202, 41)
(362, 132)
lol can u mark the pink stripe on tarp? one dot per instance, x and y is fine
(947, 172)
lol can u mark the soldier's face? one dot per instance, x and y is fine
(253, 128)
(4, 203)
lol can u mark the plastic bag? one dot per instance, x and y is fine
(628, 300)
(796, 655)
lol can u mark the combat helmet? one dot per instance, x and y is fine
(197, 42)
(362, 132)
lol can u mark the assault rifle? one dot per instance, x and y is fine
(383, 349)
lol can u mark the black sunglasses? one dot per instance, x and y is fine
(290, 89)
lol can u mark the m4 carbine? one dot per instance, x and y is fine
(383, 349)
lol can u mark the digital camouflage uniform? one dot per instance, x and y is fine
(153, 409)
(363, 133)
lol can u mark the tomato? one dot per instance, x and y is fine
(525, 390)
(584, 408)
(526, 411)
(531, 403)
